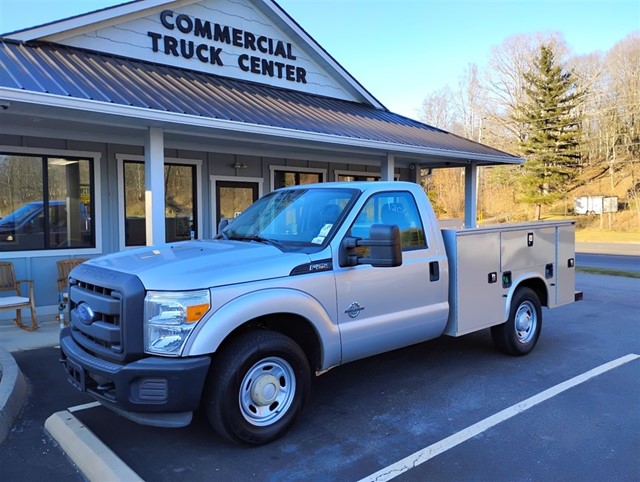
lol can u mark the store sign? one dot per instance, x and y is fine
(206, 42)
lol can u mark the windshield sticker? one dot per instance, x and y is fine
(319, 239)
(325, 230)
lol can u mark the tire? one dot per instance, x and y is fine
(257, 387)
(520, 333)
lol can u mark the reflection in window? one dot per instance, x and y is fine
(354, 178)
(233, 197)
(294, 178)
(180, 206)
(394, 208)
(45, 203)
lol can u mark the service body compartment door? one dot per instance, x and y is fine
(528, 248)
(565, 286)
(475, 283)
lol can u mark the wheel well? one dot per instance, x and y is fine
(540, 289)
(296, 327)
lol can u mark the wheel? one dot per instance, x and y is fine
(257, 387)
(520, 333)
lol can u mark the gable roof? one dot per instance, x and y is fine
(63, 30)
(57, 75)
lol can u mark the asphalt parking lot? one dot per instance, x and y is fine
(365, 417)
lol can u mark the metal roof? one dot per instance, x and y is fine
(48, 68)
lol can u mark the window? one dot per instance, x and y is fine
(46, 202)
(180, 202)
(354, 178)
(397, 208)
(291, 178)
(294, 176)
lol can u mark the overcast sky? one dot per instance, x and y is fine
(403, 50)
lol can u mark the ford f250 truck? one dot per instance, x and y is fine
(306, 279)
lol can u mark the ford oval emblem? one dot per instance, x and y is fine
(354, 310)
(85, 314)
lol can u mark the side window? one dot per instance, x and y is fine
(398, 208)
(46, 202)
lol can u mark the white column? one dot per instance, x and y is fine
(387, 168)
(154, 185)
(470, 195)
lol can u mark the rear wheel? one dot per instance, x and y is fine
(257, 387)
(520, 333)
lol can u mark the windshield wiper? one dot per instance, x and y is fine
(260, 239)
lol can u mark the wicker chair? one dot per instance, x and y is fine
(17, 302)
(64, 268)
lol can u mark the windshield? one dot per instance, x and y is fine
(292, 218)
(21, 214)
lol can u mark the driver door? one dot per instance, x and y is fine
(380, 309)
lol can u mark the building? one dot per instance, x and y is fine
(152, 120)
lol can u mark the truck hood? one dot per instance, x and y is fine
(199, 264)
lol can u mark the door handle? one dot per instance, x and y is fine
(434, 271)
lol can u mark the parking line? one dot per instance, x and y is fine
(442, 446)
(85, 406)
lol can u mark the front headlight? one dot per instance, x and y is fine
(169, 318)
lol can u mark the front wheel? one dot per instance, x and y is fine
(257, 387)
(520, 333)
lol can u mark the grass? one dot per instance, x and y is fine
(607, 272)
(606, 236)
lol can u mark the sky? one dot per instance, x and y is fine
(403, 50)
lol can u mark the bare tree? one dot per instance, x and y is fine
(438, 109)
(623, 67)
(504, 80)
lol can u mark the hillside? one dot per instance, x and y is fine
(498, 200)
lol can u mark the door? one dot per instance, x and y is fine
(181, 213)
(233, 197)
(380, 309)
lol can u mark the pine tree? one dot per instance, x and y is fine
(551, 143)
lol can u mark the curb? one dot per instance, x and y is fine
(13, 392)
(93, 458)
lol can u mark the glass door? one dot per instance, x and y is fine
(181, 214)
(233, 197)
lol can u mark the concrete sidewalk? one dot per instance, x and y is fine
(13, 386)
(13, 338)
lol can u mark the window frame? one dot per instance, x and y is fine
(95, 159)
(122, 158)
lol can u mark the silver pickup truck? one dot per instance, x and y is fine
(306, 279)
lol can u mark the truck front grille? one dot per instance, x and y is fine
(99, 308)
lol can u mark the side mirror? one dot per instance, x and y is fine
(222, 224)
(385, 244)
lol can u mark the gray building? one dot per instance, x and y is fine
(153, 120)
